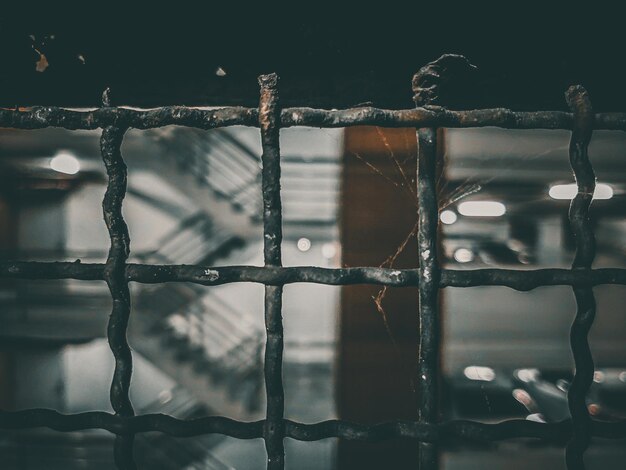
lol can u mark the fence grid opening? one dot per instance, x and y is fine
(573, 434)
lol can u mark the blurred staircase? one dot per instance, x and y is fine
(222, 163)
(211, 348)
(208, 346)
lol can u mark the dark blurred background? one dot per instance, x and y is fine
(328, 57)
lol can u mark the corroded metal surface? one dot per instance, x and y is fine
(521, 280)
(429, 80)
(574, 433)
(468, 431)
(426, 84)
(114, 275)
(269, 115)
(42, 117)
(580, 104)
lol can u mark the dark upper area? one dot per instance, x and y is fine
(526, 56)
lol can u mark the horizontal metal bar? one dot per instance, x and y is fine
(528, 280)
(522, 280)
(41, 117)
(121, 425)
(463, 430)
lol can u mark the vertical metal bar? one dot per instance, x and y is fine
(115, 277)
(429, 273)
(426, 85)
(269, 120)
(580, 105)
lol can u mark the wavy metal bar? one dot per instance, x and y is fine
(531, 279)
(40, 117)
(277, 275)
(580, 104)
(467, 431)
(269, 117)
(114, 274)
(125, 426)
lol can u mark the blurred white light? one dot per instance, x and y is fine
(527, 375)
(329, 250)
(522, 396)
(482, 209)
(515, 245)
(65, 162)
(179, 324)
(165, 396)
(537, 417)
(463, 255)
(304, 244)
(569, 191)
(622, 376)
(448, 217)
(485, 374)
(562, 385)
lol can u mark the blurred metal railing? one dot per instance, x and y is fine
(231, 170)
(429, 431)
(221, 342)
(193, 240)
(224, 343)
(225, 165)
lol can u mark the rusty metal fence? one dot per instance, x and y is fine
(574, 434)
